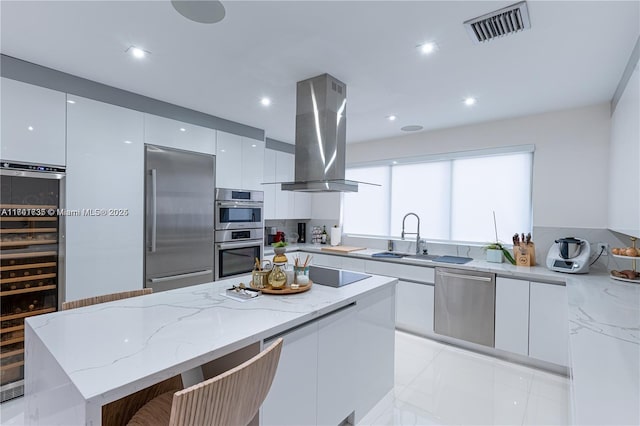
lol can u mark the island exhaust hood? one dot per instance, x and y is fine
(321, 127)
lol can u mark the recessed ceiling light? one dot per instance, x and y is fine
(265, 101)
(30, 128)
(470, 101)
(391, 117)
(427, 48)
(182, 129)
(137, 52)
(71, 101)
(411, 128)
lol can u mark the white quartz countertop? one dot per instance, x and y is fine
(604, 335)
(114, 349)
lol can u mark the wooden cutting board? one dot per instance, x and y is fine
(342, 249)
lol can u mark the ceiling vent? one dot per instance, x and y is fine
(496, 24)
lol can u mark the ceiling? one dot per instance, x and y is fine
(573, 55)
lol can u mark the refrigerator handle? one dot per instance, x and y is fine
(154, 206)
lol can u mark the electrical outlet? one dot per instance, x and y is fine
(604, 246)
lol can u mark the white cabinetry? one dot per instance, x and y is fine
(548, 323)
(175, 134)
(284, 173)
(105, 170)
(33, 124)
(414, 307)
(624, 186)
(279, 204)
(336, 360)
(512, 315)
(336, 365)
(239, 162)
(293, 394)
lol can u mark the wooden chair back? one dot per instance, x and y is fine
(231, 398)
(104, 298)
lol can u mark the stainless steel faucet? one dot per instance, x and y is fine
(417, 233)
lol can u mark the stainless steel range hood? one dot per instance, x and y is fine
(321, 127)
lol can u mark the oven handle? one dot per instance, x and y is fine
(240, 204)
(240, 244)
(464, 277)
(154, 204)
(181, 276)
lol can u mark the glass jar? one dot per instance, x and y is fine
(277, 277)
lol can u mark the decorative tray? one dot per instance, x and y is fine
(284, 290)
(635, 281)
(625, 257)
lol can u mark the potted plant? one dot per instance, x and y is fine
(279, 247)
(496, 250)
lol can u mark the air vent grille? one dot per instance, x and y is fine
(496, 24)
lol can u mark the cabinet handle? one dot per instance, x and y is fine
(465, 277)
(181, 276)
(154, 204)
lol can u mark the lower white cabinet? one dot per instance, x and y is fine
(548, 323)
(414, 307)
(105, 171)
(293, 394)
(335, 366)
(336, 361)
(375, 349)
(512, 315)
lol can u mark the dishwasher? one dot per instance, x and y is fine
(465, 305)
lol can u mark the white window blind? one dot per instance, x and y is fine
(455, 198)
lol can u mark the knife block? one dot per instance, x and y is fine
(525, 254)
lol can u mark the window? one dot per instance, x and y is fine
(455, 197)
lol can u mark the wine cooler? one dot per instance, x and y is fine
(31, 224)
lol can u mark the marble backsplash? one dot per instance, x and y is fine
(543, 237)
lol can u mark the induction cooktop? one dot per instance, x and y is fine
(334, 277)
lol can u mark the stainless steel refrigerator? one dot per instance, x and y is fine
(179, 218)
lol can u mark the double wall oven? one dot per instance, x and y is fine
(239, 236)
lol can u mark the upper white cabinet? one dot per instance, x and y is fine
(252, 164)
(548, 323)
(175, 134)
(279, 204)
(239, 162)
(105, 170)
(512, 315)
(33, 124)
(624, 185)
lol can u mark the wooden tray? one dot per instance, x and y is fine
(284, 290)
(341, 249)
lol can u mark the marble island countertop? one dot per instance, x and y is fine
(114, 349)
(604, 335)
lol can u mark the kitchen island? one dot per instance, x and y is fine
(79, 360)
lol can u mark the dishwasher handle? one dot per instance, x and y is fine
(464, 277)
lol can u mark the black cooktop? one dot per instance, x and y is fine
(334, 277)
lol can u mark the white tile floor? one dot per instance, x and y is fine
(437, 384)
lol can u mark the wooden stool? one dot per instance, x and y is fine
(231, 398)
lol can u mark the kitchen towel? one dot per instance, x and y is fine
(336, 235)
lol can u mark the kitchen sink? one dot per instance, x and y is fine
(422, 257)
(388, 254)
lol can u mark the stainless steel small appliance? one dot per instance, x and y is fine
(465, 305)
(239, 236)
(570, 255)
(238, 209)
